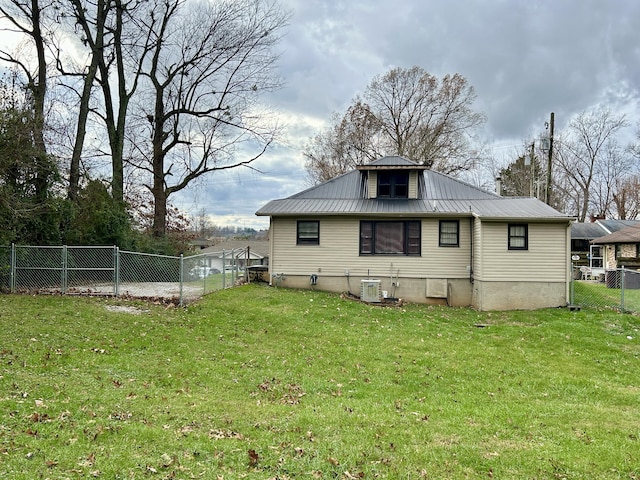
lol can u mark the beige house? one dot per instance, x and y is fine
(621, 248)
(394, 229)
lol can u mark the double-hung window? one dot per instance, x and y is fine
(449, 235)
(390, 237)
(518, 236)
(308, 232)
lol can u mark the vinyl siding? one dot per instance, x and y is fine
(339, 251)
(413, 185)
(545, 259)
(372, 181)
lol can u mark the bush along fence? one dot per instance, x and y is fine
(617, 289)
(82, 270)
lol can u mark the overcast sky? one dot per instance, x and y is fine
(525, 59)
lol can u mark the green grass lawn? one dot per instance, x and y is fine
(263, 383)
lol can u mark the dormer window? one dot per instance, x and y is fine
(393, 184)
(399, 179)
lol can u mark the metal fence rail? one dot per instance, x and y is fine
(617, 289)
(83, 270)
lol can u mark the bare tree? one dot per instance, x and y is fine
(524, 177)
(406, 112)
(96, 43)
(426, 119)
(610, 175)
(209, 63)
(348, 141)
(28, 18)
(116, 54)
(582, 151)
(627, 198)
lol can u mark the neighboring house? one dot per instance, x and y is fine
(200, 243)
(236, 252)
(590, 254)
(421, 236)
(621, 248)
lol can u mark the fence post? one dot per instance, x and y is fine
(116, 271)
(12, 274)
(205, 274)
(181, 275)
(247, 277)
(622, 275)
(571, 285)
(224, 270)
(65, 261)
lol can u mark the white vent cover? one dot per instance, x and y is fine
(370, 291)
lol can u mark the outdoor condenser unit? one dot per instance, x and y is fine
(370, 291)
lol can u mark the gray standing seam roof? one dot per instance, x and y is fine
(440, 195)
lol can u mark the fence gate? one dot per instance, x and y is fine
(64, 269)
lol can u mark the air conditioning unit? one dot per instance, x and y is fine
(370, 291)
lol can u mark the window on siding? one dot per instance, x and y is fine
(637, 250)
(393, 184)
(308, 232)
(518, 236)
(449, 233)
(390, 238)
(618, 250)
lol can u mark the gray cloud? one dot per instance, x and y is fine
(524, 58)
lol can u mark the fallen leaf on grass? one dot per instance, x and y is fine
(39, 417)
(89, 461)
(253, 457)
(350, 476)
(220, 434)
(167, 460)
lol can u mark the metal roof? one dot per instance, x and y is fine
(612, 225)
(260, 248)
(386, 163)
(439, 195)
(586, 231)
(599, 228)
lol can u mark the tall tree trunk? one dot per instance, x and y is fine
(39, 89)
(158, 189)
(115, 122)
(117, 142)
(97, 52)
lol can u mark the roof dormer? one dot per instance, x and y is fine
(395, 178)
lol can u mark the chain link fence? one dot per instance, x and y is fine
(617, 289)
(70, 270)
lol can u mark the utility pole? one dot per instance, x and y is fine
(532, 192)
(548, 192)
